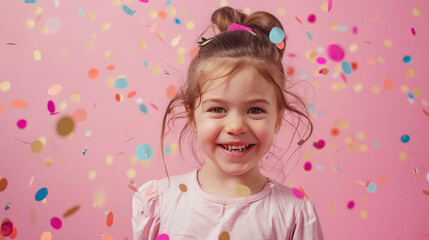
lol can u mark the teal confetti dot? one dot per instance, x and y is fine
(311, 107)
(376, 144)
(405, 138)
(371, 187)
(81, 12)
(407, 59)
(121, 83)
(276, 35)
(144, 152)
(30, 1)
(41, 194)
(145, 63)
(128, 11)
(309, 36)
(177, 21)
(347, 68)
(168, 2)
(143, 108)
(410, 95)
(167, 150)
(342, 28)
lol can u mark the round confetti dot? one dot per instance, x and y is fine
(276, 35)
(171, 11)
(92, 175)
(131, 173)
(121, 83)
(5, 86)
(371, 187)
(320, 144)
(347, 68)
(409, 73)
(405, 138)
(183, 187)
(6, 227)
(3, 184)
(335, 52)
(335, 132)
(351, 205)
(281, 11)
(156, 70)
(162, 15)
(363, 214)
(109, 219)
(307, 166)
(37, 55)
(171, 92)
(109, 159)
(106, 236)
(143, 108)
(312, 18)
(224, 236)
(383, 179)
(48, 161)
(144, 152)
(37, 146)
(407, 59)
(403, 156)
(105, 26)
(180, 59)
(2, 108)
(14, 233)
(75, 97)
(321, 60)
(46, 236)
(142, 45)
(388, 84)
(353, 47)
(388, 43)
(56, 223)
(22, 123)
(41, 194)
(242, 190)
(363, 148)
(190, 25)
(417, 11)
(65, 126)
(108, 54)
(93, 73)
(297, 193)
(163, 237)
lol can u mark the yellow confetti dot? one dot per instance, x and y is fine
(242, 190)
(75, 97)
(405, 89)
(332, 208)
(363, 148)
(281, 11)
(409, 72)
(176, 40)
(417, 11)
(109, 159)
(156, 70)
(388, 43)
(247, 10)
(348, 140)
(190, 25)
(338, 68)
(110, 82)
(363, 214)
(142, 45)
(116, 2)
(358, 87)
(5, 86)
(344, 125)
(334, 26)
(48, 161)
(37, 10)
(375, 89)
(171, 11)
(417, 93)
(105, 26)
(183, 187)
(335, 87)
(360, 135)
(403, 156)
(63, 106)
(352, 146)
(108, 54)
(306, 155)
(174, 148)
(44, 30)
(46, 236)
(425, 103)
(324, 6)
(145, 163)
(181, 50)
(99, 197)
(180, 59)
(37, 55)
(153, 14)
(92, 175)
(90, 45)
(131, 173)
(93, 36)
(313, 55)
(37, 146)
(353, 47)
(288, 184)
(223, 3)
(380, 59)
(29, 23)
(133, 160)
(91, 16)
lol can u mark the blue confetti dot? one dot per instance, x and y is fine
(41, 194)
(376, 144)
(167, 150)
(143, 108)
(311, 107)
(309, 36)
(144, 152)
(121, 83)
(168, 2)
(410, 95)
(81, 12)
(342, 28)
(276, 35)
(30, 1)
(145, 63)
(177, 21)
(405, 138)
(347, 68)
(128, 11)
(407, 59)
(371, 187)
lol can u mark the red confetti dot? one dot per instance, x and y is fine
(109, 220)
(335, 132)
(354, 66)
(93, 73)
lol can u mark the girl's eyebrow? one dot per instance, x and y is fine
(256, 100)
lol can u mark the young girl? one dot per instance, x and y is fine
(235, 101)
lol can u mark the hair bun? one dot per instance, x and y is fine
(225, 16)
(263, 21)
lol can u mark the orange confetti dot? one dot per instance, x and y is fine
(388, 84)
(107, 236)
(109, 220)
(194, 52)
(118, 97)
(383, 179)
(171, 91)
(131, 94)
(110, 67)
(79, 115)
(335, 132)
(1, 108)
(162, 15)
(370, 62)
(280, 45)
(19, 104)
(290, 71)
(93, 73)
(14, 233)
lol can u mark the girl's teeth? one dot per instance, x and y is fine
(236, 148)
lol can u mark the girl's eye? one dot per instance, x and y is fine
(217, 110)
(256, 110)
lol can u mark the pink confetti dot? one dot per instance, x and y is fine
(312, 18)
(56, 223)
(297, 193)
(321, 60)
(335, 52)
(22, 123)
(413, 31)
(307, 166)
(355, 30)
(162, 237)
(320, 144)
(351, 205)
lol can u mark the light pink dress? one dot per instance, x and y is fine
(185, 211)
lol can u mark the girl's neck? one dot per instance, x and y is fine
(220, 184)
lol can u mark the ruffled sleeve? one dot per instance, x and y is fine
(146, 219)
(307, 223)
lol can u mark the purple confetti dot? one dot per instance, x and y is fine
(56, 223)
(22, 123)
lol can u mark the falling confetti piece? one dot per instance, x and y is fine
(121, 83)
(298, 20)
(6, 227)
(55, 90)
(347, 68)
(307, 166)
(37, 55)
(85, 151)
(162, 15)
(41, 194)
(79, 115)
(65, 126)
(143, 108)
(51, 108)
(14, 233)
(224, 236)
(311, 18)
(371, 187)
(309, 36)
(56, 223)
(405, 138)
(144, 1)
(388, 84)
(426, 192)
(128, 11)
(19, 104)
(37, 146)
(3, 184)
(176, 41)
(163, 237)
(335, 52)
(350, 204)
(30, 1)
(46, 236)
(106, 236)
(413, 31)
(242, 190)
(276, 35)
(144, 152)
(22, 123)
(93, 73)
(320, 144)
(329, 5)
(109, 220)
(297, 193)
(71, 211)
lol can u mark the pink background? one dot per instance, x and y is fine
(367, 149)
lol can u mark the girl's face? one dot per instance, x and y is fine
(236, 123)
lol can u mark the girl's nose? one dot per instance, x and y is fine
(235, 124)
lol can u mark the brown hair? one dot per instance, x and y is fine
(228, 53)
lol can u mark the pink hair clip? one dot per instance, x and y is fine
(235, 26)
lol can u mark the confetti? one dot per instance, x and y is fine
(56, 223)
(307, 166)
(121, 83)
(224, 236)
(93, 73)
(276, 35)
(3, 184)
(163, 237)
(41, 194)
(109, 219)
(6, 227)
(37, 146)
(51, 108)
(298, 20)
(347, 68)
(406, 59)
(71, 211)
(85, 151)
(319, 144)
(22, 123)
(329, 5)
(335, 52)
(413, 31)
(79, 115)
(242, 190)
(7, 206)
(144, 152)
(128, 11)
(37, 55)
(371, 187)
(65, 126)
(19, 104)
(143, 108)
(297, 193)
(311, 18)
(350, 204)
(405, 138)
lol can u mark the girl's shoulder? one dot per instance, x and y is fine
(290, 196)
